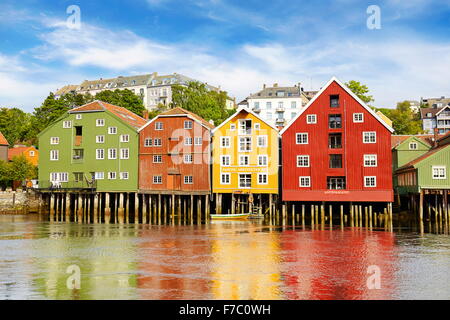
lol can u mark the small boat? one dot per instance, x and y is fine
(240, 216)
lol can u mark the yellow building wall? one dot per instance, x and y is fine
(235, 168)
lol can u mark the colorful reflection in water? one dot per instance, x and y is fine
(222, 260)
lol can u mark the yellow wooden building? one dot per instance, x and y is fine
(245, 164)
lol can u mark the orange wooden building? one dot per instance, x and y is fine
(30, 153)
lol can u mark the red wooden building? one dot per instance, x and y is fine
(337, 150)
(174, 154)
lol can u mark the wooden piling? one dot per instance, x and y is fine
(331, 216)
(107, 208)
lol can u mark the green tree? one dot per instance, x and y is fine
(5, 174)
(195, 97)
(21, 169)
(360, 90)
(404, 120)
(15, 125)
(123, 98)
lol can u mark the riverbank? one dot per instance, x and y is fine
(18, 202)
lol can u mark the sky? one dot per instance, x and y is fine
(237, 45)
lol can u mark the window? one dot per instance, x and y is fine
(124, 138)
(124, 175)
(413, 146)
(112, 154)
(124, 153)
(78, 176)
(225, 178)
(335, 140)
(157, 159)
(99, 176)
(59, 177)
(224, 142)
(245, 180)
(304, 182)
(244, 160)
(112, 130)
(262, 141)
(188, 158)
(358, 117)
(78, 116)
(54, 155)
(439, 172)
(157, 179)
(262, 178)
(54, 140)
(31, 153)
(301, 138)
(256, 105)
(370, 182)
(334, 101)
(311, 119)
(148, 142)
(188, 141)
(302, 161)
(78, 130)
(198, 141)
(370, 137)
(245, 144)
(335, 161)
(100, 139)
(293, 115)
(269, 115)
(269, 105)
(263, 160)
(280, 105)
(188, 180)
(245, 127)
(293, 104)
(78, 154)
(100, 154)
(157, 142)
(334, 121)
(370, 160)
(336, 183)
(257, 126)
(225, 161)
(188, 124)
(159, 126)
(67, 124)
(112, 175)
(232, 127)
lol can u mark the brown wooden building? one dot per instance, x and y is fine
(175, 155)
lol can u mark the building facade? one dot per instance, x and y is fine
(175, 155)
(4, 145)
(278, 105)
(337, 150)
(30, 153)
(245, 159)
(92, 146)
(436, 118)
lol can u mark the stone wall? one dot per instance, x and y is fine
(18, 201)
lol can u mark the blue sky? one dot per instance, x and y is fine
(239, 45)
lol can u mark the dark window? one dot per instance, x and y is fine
(78, 130)
(336, 183)
(335, 140)
(334, 121)
(78, 154)
(335, 161)
(334, 101)
(78, 176)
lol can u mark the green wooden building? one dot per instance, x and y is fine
(94, 146)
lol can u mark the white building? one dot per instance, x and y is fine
(278, 105)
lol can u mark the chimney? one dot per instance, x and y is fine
(264, 86)
(275, 85)
(435, 138)
(146, 114)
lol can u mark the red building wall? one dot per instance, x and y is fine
(173, 169)
(353, 150)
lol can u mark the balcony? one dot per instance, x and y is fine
(281, 109)
(256, 109)
(70, 185)
(78, 140)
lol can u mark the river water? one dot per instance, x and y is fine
(221, 260)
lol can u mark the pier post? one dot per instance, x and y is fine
(303, 216)
(120, 210)
(370, 217)
(342, 216)
(96, 196)
(107, 208)
(366, 216)
(270, 206)
(199, 211)
(312, 216)
(331, 216)
(191, 208)
(68, 209)
(351, 214)
(80, 208)
(207, 207)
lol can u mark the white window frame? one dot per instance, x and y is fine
(159, 126)
(369, 134)
(358, 117)
(438, 176)
(97, 154)
(99, 176)
(188, 158)
(67, 124)
(198, 141)
(78, 116)
(187, 178)
(266, 178)
(148, 142)
(54, 155)
(257, 126)
(232, 127)
(265, 137)
(99, 122)
(225, 139)
(188, 141)
(305, 178)
(222, 160)
(239, 180)
(157, 156)
(112, 175)
(245, 144)
(54, 140)
(31, 153)
(157, 179)
(222, 175)
(303, 156)
(265, 162)
(124, 175)
(413, 144)
(124, 138)
(124, 153)
(311, 118)
(188, 124)
(157, 142)
(366, 185)
(368, 158)
(241, 163)
(100, 139)
(110, 156)
(112, 130)
(305, 134)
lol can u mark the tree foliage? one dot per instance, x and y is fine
(360, 90)
(195, 97)
(403, 119)
(122, 98)
(19, 169)
(15, 125)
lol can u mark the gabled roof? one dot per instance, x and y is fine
(178, 111)
(413, 163)
(3, 141)
(124, 114)
(350, 92)
(18, 150)
(445, 136)
(433, 111)
(239, 110)
(397, 140)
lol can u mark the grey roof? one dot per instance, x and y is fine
(175, 78)
(113, 83)
(271, 92)
(66, 89)
(433, 111)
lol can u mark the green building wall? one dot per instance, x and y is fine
(425, 173)
(89, 164)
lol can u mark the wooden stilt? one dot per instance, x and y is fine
(107, 208)
(351, 214)
(68, 207)
(370, 217)
(342, 216)
(303, 216)
(331, 216)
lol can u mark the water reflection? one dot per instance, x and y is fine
(222, 260)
